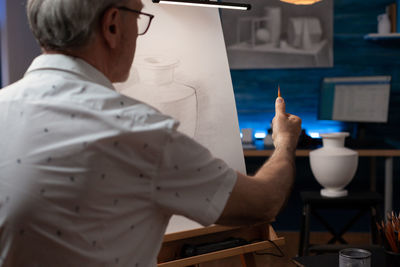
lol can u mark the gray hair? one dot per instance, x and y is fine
(66, 24)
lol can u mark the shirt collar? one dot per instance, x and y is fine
(69, 64)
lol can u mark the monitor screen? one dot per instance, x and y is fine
(355, 99)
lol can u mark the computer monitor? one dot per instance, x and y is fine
(355, 99)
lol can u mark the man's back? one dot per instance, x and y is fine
(89, 177)
(51, 171)
(77, 168)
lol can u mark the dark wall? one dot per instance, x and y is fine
(255, 92)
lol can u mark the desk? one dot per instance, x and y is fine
(378, 259)
(388, 154)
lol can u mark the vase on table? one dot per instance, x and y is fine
(334, 165)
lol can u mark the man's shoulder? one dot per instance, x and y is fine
(11, 91)
(127, 112)
(143, 114)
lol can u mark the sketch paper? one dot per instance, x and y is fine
(181, 68)
(275, 34)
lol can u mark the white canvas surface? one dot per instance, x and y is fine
(194, 37)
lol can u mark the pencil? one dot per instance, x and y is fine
(279, 91)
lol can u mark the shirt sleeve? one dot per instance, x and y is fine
(191, 182)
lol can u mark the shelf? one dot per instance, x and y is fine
(390, 38)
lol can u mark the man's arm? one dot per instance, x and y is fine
(260, 197)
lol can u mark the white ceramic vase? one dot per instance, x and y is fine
(334, 165)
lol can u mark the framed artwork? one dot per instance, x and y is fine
(275, 34)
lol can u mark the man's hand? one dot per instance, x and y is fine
(285, 127)
(262, 196)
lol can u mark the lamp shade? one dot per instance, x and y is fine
(301, 2)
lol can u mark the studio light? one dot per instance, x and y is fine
(301, 2)
(205, 3)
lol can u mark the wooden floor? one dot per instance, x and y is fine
(290, 250)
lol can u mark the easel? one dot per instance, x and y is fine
(259, 233)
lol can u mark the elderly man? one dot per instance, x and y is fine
(89, 177)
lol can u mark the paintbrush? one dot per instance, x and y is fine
(390, 232)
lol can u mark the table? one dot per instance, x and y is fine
(378, 259)
(388, 154)
(313, 202)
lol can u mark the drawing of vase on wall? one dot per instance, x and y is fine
(280, 35)
(156, 84)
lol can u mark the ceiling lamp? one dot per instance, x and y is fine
(301, 2)
(205, 3)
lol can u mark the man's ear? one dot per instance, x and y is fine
(110, 27)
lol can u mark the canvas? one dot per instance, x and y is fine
(181, 68)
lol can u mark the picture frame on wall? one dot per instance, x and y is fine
(276, 35)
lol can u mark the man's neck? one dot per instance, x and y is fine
(92, 56)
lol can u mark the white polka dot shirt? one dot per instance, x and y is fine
(89, 177)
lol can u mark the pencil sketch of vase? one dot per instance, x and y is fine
(157, 86)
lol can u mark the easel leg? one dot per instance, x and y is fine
(248, 260)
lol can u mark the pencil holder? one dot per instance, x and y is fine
(392, 259)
